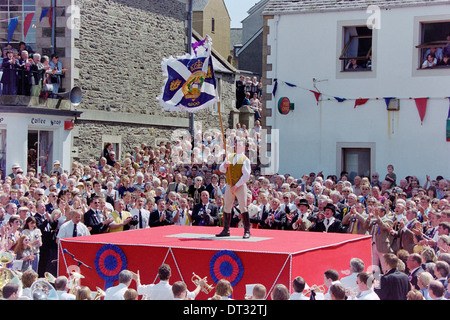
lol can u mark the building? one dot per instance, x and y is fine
(250, 53)
(364, 119)
(113, 51)
(211, 17)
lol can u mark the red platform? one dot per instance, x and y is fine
(268, 257)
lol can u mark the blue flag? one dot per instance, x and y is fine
(190, 83)
(12, 27)
(43, 13)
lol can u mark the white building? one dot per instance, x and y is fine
(305, 45)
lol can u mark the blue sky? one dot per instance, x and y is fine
(238, 10)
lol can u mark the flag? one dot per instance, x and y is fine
(317, 95)
(388, 100)
(27, 23)
(43, 13)
(340, 99)
(12, 27)
(190, 83)
(421, 104)
(360, 102)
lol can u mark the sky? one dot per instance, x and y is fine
(238, 10)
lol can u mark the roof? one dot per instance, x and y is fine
(304, 6)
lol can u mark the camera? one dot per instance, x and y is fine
(134, 221)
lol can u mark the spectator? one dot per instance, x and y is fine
(394, 285)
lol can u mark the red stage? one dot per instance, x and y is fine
(268, 257)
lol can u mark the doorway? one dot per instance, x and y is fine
(40, 151)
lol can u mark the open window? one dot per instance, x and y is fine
(356, 54)
(434, 47)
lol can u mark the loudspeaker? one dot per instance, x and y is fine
(75, 96)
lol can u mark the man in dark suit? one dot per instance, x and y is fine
(329, 223)
(177, 185)
(94, 219)
(205, 213)
(394, 285)
(49, 248)
(161, 216)
(414, 264)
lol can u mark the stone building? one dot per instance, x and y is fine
(113, 51)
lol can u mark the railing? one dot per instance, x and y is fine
(26, 92)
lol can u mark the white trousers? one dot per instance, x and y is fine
(229, 197)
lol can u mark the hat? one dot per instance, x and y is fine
(23, 209)
(331, 207)
(15, 165)
(56, 162)
(303, 202)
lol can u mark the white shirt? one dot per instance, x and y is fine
(116, 292)
(159, 291)
(349, 282)
(66, 230)
(367, 295)
(63, 295)
(298, 296)
(145, 217)
(183, 220)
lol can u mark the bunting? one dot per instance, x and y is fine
(360, 102)
(27, 23)
(421, 104)
(317, 95)
(12, 27)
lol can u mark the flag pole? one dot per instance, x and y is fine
(189, 49)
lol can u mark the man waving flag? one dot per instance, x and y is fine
(190, 83)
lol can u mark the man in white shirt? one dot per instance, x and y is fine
(299, 286)
(73, 227)
(160, 291)
(356, 266)
(183, 216)
(365, 284)
(117, 292)
(140, 215)
(237, 169)
(62, 288)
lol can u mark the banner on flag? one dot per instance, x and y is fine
(190, 83)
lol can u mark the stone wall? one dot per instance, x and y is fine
(121, 45)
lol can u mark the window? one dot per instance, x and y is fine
(40, 151)
(356, 54)
(357, 162)
(20, 9)
(434, 47)
(213, 25)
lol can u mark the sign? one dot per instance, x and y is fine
(285, 105)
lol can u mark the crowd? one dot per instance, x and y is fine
(154, 186)
(28, 73)
(248, 93)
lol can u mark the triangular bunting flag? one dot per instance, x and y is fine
(27, 23)
(12, 27)
(360, 102)
(421, 104)
(290, 84)
(275, 87)
(340, 99)
(317, 95)
(43, 14)
(387, 100)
